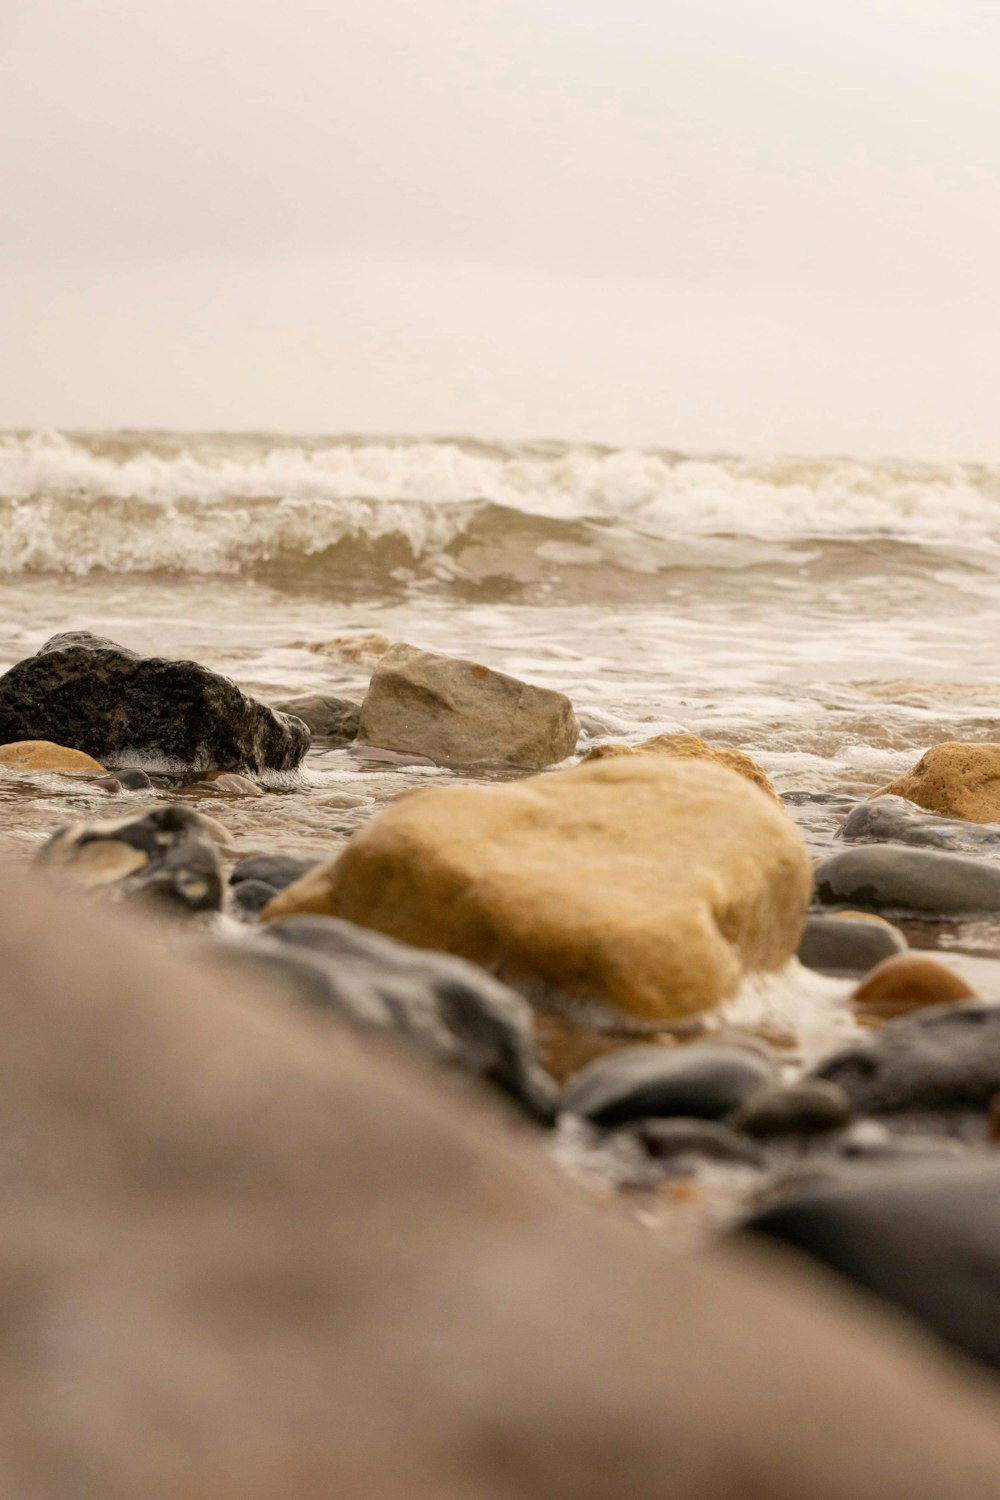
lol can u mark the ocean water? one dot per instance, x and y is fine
(832, 617)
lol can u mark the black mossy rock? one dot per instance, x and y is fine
(94, 695)
(926, 1238)
(946, 1057)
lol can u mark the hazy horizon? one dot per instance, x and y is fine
(722, 231)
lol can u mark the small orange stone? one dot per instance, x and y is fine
(908, 981)
(861, 916)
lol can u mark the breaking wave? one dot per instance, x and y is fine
(454, 512)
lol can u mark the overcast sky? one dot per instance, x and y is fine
(701, 224)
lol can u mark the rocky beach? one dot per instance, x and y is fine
(572, 870)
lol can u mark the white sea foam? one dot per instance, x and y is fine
(127, 503)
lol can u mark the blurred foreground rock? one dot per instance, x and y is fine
(249, 1257)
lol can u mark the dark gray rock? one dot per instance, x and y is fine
(680, 1144)
(448, 1007)
(164, 855)
(926, 1238)
(248, 898)
(701, 1080)
(945, 1057)
(93, 695)
(894, 820)
(134, 780)
(811, 1107)
(891, 877)
(838, 945)
(277, 870)
(325, 716)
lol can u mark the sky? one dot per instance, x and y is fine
(696, 224)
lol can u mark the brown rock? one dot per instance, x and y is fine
(249, 1255)
(42, 755)
(861, 916)
(690, 746)
(641, 882)
(956, 780)
(909, 981)
(234, 785)
(463, 714)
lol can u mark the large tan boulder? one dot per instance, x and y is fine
(690, 747)
(42, 755)
(647, 884)
(957, 780)
(249, 1256)
(462, 714)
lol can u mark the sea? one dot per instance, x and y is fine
(832, 616)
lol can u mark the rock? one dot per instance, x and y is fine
(702, 1081)
(646, 884)
(165, 854)
(109, 784)
(927, 1240)
(134, 780)
(811, 1107)
(908, 982)
(88, 692)
(42, 755)
(325, 716)
(691, 746)
(947, 1057)
(955, 779)
(459, 713)
(365, 650)
(893, 820)
(234, 785)
(891, 877)
(684, 1143)
(449, 1008)
(835, 945)
(252, 1255)
(277, 870)
(248, 899)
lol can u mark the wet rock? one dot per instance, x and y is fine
(42, 755)
(869, 1141)
(947, 1057)
(890, 877)
(134, 780)
(325, 716)
(701, 1080)
(955, 779)
(691, 747)
(116, 706)
(109, 784)
(909, 981)
(894, 820)
(684, 1143)
(223, 1220)
(462, 714)
(811, 1107)
(449, 1008)
(646, 884)
(248, 899)
(839, 945)
(164, 855)
(277, 870)
(927, 1240)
